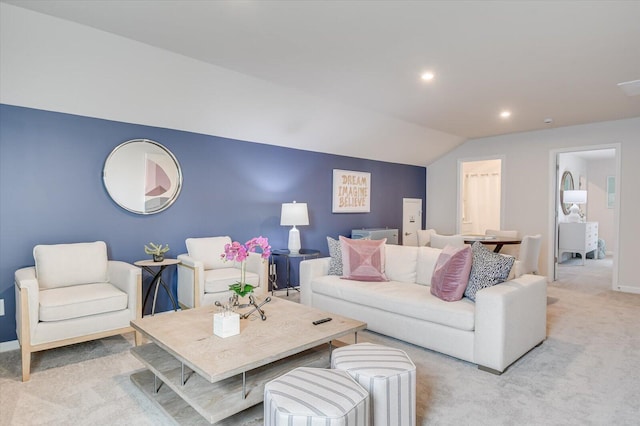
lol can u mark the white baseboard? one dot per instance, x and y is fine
(628, 289)
(11, 345)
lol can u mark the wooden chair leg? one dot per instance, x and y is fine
(26, 364)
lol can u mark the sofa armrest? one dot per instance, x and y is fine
(127, 278)
(511, 319)
(27, 302)
(309, 270)
(259, 266)
(190, 281)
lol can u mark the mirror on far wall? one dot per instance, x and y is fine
(566, 184)
(142, 176)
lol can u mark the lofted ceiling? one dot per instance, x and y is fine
(560, 60)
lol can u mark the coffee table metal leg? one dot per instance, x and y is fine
(156, 386)
(244, 385)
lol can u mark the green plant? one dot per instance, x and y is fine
(156, 249)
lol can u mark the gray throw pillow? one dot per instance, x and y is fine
(335, 251)
(488, 269)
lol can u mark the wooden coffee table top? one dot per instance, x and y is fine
(288, 330)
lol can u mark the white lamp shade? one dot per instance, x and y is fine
(294, 214)
(574, 197)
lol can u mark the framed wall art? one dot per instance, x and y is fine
(351, 191)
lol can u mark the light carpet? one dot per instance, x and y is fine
(587, 372)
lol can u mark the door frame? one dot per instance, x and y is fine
(554, 199)
(503, 183)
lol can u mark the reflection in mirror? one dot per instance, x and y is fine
(142, 176)
(566, 184)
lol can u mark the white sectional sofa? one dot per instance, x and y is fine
(504, 323)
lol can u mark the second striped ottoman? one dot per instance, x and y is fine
(315, 396)
(390, 377)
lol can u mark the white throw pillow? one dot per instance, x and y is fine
(401, 263)
(62, 265)
(209, 251)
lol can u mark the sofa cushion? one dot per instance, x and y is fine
(488, 269)
(61, 265)
(64, 303)
(209, 251)
(335, 265)
(427, 258)
(217, 280)
(451, 274)
(400, 263)
(406, 299)
(363, 260)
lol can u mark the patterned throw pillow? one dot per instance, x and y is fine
(363, 260)
(488, 269)
(451, 274)
(335, 265)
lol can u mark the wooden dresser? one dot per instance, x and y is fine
(581, 237)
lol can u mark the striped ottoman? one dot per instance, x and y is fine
(390, 377)
(315, 396)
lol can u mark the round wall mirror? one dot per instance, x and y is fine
(142, 176)
(565, 185)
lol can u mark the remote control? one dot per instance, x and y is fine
(320, 321)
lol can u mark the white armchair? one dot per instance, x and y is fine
(73, 294)
(204, 277)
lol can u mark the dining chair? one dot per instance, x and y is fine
(440, 241)
(529, 254)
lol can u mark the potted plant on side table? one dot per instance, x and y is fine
(157, 251)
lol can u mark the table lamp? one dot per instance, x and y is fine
(574, 197)
(294, 214)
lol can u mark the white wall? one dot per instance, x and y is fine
(530, 184)
(56, 65)
(597, 210)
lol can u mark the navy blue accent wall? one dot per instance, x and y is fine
(51, 192)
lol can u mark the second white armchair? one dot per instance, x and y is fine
(204, 277)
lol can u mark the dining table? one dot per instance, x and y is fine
(492, 239)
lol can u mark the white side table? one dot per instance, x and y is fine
(157, 281)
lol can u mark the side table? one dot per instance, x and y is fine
(273, 274)
(157, 281)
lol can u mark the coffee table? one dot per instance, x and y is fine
(217, 377)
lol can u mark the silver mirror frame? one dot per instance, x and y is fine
(566, 183)
(112, 168)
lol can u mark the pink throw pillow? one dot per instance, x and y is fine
(363, 260)
(451, 274)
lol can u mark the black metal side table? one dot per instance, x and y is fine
(273, 273)
(157, 281)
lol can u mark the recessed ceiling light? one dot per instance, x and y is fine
(505, 114)
(427, 76)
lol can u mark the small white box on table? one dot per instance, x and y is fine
(226, 324)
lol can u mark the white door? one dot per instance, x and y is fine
(411, 220)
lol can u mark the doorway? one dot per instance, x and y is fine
(594, 170)
(411, 220)
(479, 195)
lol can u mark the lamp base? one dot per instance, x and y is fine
(574, 215)
(294, 241)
